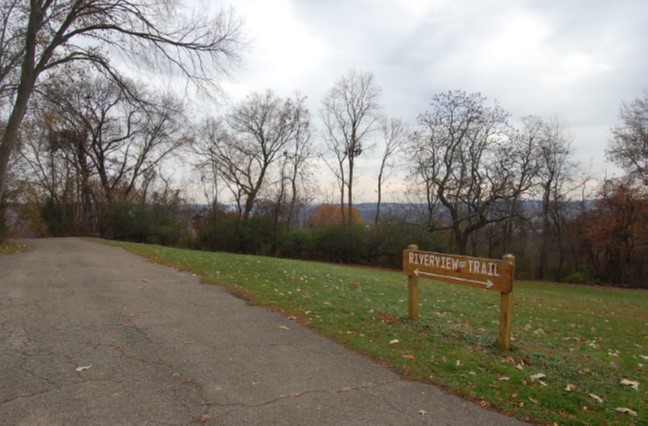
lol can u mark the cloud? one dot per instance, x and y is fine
(574, 60)
(283, 53)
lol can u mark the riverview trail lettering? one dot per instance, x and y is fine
(490, 274)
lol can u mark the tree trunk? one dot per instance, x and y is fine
(377, 218)
(27, 80)
(350, 193)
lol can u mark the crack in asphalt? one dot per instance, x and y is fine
(296, 395)
(25, 396)
(195, 387)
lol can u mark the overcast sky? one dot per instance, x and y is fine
(571, 59)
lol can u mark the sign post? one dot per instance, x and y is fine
(488, 274)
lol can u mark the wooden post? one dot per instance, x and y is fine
(506, 311)
(412, 286)
(413, 307)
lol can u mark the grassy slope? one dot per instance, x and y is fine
(586, 339)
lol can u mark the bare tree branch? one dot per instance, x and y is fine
(42, 35)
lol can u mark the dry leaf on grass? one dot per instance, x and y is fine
(570, 387)
(626, 411)
(393, 342)
(538, 377)
(596, 398)
(408, 357)
(633, 384)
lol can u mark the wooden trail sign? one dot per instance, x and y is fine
(488, 274)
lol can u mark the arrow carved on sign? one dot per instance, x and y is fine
(488, 283)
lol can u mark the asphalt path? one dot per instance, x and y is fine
(90, 334)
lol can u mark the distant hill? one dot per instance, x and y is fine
(400, 211)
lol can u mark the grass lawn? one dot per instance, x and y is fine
(579, 354)
(10, 247)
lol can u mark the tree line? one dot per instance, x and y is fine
(86, 151)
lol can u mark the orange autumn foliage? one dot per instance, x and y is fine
(331, 214)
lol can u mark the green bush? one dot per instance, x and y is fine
(579, 277)
(155, 223)
(342, 243)
(221, 231)
(297, 244)
(58, 218)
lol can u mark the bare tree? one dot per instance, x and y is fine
(112, 145)
(469, 164)
(553, 180)
(394, 135)
(39, 36)
(11, 50)
(257, 133)
(288, 194)
(349, 113)
(628, 147)
(295, 168)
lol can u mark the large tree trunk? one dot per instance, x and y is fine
(27, 80)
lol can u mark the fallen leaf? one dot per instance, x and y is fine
(626, 411)
(83, 368)
(283, 327)
(422, 412)
(596, 398)
(634, 385)
(386, 318)
(393, 342)
(408, 357)
(458, 363)
(537, 376)
(504, 378)
(570, 387)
